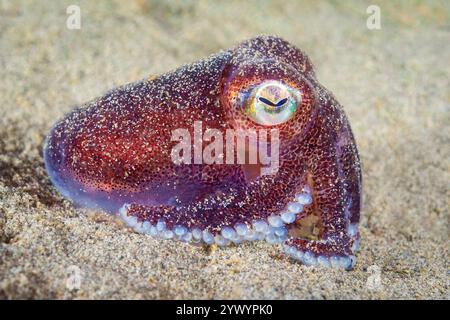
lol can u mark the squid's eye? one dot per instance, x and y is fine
(272, 103)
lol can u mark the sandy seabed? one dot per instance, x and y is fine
(393, 84)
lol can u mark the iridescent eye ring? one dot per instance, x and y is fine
(272, 102)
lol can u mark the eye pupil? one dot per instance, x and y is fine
(267, 101)
(270, 103)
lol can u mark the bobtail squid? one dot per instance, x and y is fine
(150, 152)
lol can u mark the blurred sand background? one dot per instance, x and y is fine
(394, 84)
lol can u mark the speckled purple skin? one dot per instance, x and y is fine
(114, 152)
